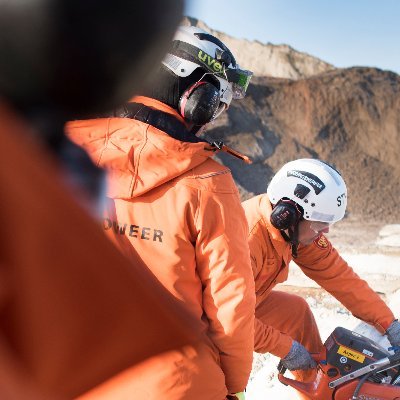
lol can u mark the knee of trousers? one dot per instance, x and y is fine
(305, 329)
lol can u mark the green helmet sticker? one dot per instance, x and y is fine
(210, 62)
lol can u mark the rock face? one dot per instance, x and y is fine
(298, 106)
(280, 61)
(347, 117)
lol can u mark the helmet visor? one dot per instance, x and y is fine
(240, 79)
(320, 227)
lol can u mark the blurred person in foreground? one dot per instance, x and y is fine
(289, 222)
(179, 209)
(73, 310)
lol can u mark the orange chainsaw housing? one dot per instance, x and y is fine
(331, 365)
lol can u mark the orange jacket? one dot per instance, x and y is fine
(180, 210)
(320, 261)
(70, 303)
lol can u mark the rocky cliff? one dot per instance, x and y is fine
(266, 59)
(347, 117)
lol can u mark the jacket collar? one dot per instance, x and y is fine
(158, 105)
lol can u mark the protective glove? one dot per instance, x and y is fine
(298, 358)
(393, 333)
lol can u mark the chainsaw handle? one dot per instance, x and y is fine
(281, 368)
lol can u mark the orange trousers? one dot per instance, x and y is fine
(291, 314)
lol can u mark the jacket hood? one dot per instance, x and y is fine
(137, 156)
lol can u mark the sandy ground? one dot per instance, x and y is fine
(373, 251)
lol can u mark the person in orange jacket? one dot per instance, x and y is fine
(70, 302)
(289, 222)
(73, 310)
(180, 211)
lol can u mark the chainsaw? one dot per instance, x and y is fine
(351, 367)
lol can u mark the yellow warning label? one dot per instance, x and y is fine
(354, 355)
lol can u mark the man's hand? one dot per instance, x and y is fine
(393, 333)
(298, 358)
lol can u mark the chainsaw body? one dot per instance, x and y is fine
(351, 365)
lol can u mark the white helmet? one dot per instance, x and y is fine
(315, 186)
(194, 48)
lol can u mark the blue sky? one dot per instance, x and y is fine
(344, 33)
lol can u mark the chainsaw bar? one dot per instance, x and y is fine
(377, 366)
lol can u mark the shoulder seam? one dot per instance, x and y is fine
(227, 171)
(254, 225)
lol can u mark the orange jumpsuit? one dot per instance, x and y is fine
(180, 210)
(73, 310)
(282, 317)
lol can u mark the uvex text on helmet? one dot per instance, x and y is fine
(315, 186)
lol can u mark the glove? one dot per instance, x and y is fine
(393, 333)
(298, 358)
(236, 396)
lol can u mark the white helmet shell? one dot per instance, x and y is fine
(194, 48)
(189, 34)
(314, 185)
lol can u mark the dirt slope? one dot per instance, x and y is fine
(347, 117)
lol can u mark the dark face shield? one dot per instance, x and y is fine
(240, 79)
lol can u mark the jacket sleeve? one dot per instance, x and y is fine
(270, 340)
(223, 263)
(321, 262)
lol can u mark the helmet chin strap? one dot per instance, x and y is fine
(293, 238)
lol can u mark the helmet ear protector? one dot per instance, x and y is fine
(200, 103)
(285, 214)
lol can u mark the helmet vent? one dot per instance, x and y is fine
(310, 178)
(217, 42)
(223, 56)
(301, 191)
